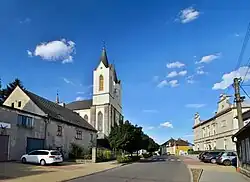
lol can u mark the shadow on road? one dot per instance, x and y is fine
(152, 160)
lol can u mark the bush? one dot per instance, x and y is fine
(146, 155)
(104, 155)
(76, 151)
(127, 159)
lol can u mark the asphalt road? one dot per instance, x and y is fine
(157, 169)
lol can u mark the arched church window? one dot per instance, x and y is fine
(101, 82)
(86, 117)
(100, 121)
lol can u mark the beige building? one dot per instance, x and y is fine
(216, 132)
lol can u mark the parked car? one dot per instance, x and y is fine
(42, 157)
(227, 158)
(211, 156)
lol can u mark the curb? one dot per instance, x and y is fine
(191, 175)
(94, 173)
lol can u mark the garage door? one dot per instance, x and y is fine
(34, 144)
(4, 141)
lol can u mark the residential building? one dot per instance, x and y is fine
(216, 132)
(30, 122)
(176, 147)
(242, 140)
(105, 107)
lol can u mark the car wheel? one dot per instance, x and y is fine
(227, 163)
(24, 160)
(213, 161)
(42, 162)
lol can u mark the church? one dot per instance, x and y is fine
(105, 108)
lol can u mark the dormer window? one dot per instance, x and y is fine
(19, 103)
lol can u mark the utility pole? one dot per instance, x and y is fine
(238, 100)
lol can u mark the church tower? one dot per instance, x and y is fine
(106, 95)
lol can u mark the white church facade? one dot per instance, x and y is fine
(105, 107)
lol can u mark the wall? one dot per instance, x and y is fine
(68, 137)
(17, 134)
(26, 103)
(182, 148)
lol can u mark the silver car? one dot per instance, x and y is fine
(226, 158)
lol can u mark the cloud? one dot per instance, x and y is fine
(150, 128)
(187, 15)
(195, 105)
(29, 53)
(79, 98)
(150, 111)
(58, 50)
(172, 74)
(236, 35)
(190, 79)
(189, 135)
(80, 93)
(210, 58)
(227, 78)
(176, 64)
(183, 73)
(66, 80)
(162, 84)
(200, 72)
(26, 20)
(173, 83)
(167, 125)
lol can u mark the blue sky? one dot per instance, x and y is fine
(55, 45)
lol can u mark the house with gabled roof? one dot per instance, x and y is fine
(40, 123)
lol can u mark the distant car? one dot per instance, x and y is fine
(211, 156)
(42, 157)
(227, 158)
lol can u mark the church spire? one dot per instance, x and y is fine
(104, 57)
(57, 97)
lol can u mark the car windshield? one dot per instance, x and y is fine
(55, 153)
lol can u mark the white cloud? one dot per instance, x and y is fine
(176, 64)
(26, 20)
(80, 93)
(227, 79)
(187, 15)
(150, 111)
(173, 83)
(66, 80)
(79, 98)
(195, 105)
(200, 72)
(236, 35)
(150, 128)
(189, 135)
(172, 74)
(167, 125)
(29, 53)
(190, 79)
(183, 73)
(58, 50)
(162, 84)
(209, 58)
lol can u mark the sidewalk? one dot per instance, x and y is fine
(214, 172)
(55, 173)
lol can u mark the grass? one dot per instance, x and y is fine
(196, 174)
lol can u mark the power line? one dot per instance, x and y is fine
(244, 91)
(248, 67)
(243, 48)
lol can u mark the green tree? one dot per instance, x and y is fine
(5, 92)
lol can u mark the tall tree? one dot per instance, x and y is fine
(4, 93)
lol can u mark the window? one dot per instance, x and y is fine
(223, 123)
(86, 117)
(91, 137)
(79, 135)
(100, 121)
(55, 153)
(59, 130)
(101, 82)
(225, 144)
(247, 149)
(12, 104)
(19, 103)
(42, 153)
(25, 121)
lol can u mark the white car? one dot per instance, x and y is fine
(42, 157)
